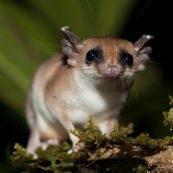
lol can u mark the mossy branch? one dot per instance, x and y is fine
(102, 153)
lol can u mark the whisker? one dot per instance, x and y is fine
(84, 69)
(157, 63)
(146, 5)
(47, 44)
(92, 18)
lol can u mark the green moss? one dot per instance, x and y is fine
(56, 159)
(168, 116)
(92, 136)
(120, 133)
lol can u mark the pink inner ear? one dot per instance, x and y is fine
(138, 45)
(142, 58)
(72, 39)
(72, 62)
(71, 45)
(142, 52)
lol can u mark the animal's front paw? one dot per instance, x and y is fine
(43, 145)
(76, 147)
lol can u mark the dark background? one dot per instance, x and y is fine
(153, 17)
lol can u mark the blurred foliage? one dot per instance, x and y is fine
(30, 33)
(168, 116)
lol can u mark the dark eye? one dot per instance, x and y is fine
(126, 59)
(92, 55)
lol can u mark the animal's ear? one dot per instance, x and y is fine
(71, 45)
(142, 51)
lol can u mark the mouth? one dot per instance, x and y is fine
(112, 75)
(109, 78)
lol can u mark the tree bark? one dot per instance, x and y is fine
(157, 161)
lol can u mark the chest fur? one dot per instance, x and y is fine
(100, 102)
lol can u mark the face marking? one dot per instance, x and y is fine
(108, 59)
(93, 55)
(126, 59)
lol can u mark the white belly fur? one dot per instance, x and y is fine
(86, 100)
(100, 103)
